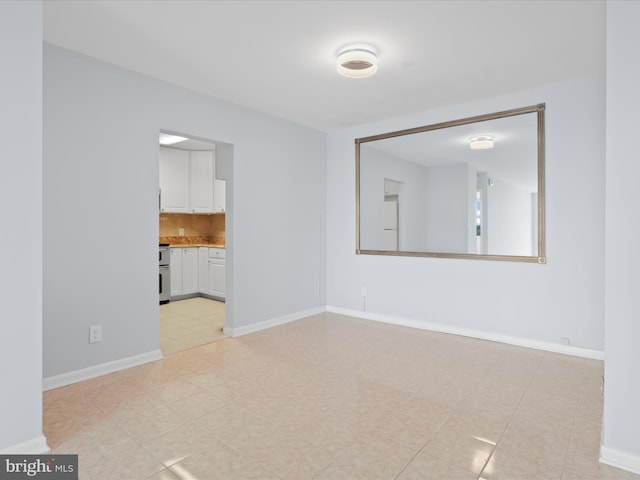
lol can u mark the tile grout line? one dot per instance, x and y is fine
(489, 368)
(534, 375)
(573, 422)
(438, 429)
(514, 412)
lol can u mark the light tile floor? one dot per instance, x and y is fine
(188, 323)
(331, 397)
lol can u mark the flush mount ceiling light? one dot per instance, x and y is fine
(481, 142)
(357, 61)
(166, 139)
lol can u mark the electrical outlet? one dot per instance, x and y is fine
(565, 341)
(95, 334)
(181, 232)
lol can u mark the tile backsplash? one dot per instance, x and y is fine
(192, 228)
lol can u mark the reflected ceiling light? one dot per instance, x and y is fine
(481, 142)
(357, 61)
(166, 139)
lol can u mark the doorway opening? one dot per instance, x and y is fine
(391, 239)
(391, 222)
(193, 224)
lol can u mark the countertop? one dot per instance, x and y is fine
(194, 241)
(189, 245)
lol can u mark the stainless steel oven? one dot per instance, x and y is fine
(164, 277)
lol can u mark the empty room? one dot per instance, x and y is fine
(395, 239)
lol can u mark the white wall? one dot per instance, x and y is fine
(21, 244)
(101, 127)
(375, 167)
(509, 219)
(447, 208)
(621, 441)
(563, 298)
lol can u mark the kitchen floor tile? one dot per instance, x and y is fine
(189, 323)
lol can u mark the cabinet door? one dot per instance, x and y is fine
(189, 270)
(201, 182)
(175, 271)
(219, 192)
(217, 279)
(203, 270)
(174, 180)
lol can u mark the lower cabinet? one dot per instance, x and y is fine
(203, 270)
(212, 272)
(198, 270)
(189, 270)
(184, 271)
(217, 278)
(175, 271)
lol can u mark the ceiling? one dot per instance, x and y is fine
(279, 57)
(514, 157)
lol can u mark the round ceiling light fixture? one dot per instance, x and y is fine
(481, 142)
(357, 61)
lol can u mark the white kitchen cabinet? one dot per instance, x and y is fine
(187, 182)
(217, 281)
(174, 180)
(219, 192)
(175, 271)
(202, 182)
(203, 270)
(217, 272)
(189, 270)
(184, 271)
(391, 187)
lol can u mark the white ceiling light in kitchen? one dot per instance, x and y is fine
(166, 139)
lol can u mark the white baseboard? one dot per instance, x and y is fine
(618, 459)
(467, 332)
(256, 327)
(57, 381)
(35, 446)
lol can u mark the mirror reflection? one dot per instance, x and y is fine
(467, 188)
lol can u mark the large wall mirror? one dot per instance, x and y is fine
(468, 188)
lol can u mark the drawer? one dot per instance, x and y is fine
(217, 253)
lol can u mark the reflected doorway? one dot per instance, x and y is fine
(391, 222)
(391, 239)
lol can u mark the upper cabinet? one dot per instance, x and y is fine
(188, 183)
(202, 188)
(174, 180)
(219, 192)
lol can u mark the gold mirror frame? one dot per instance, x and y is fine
(540, 258)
